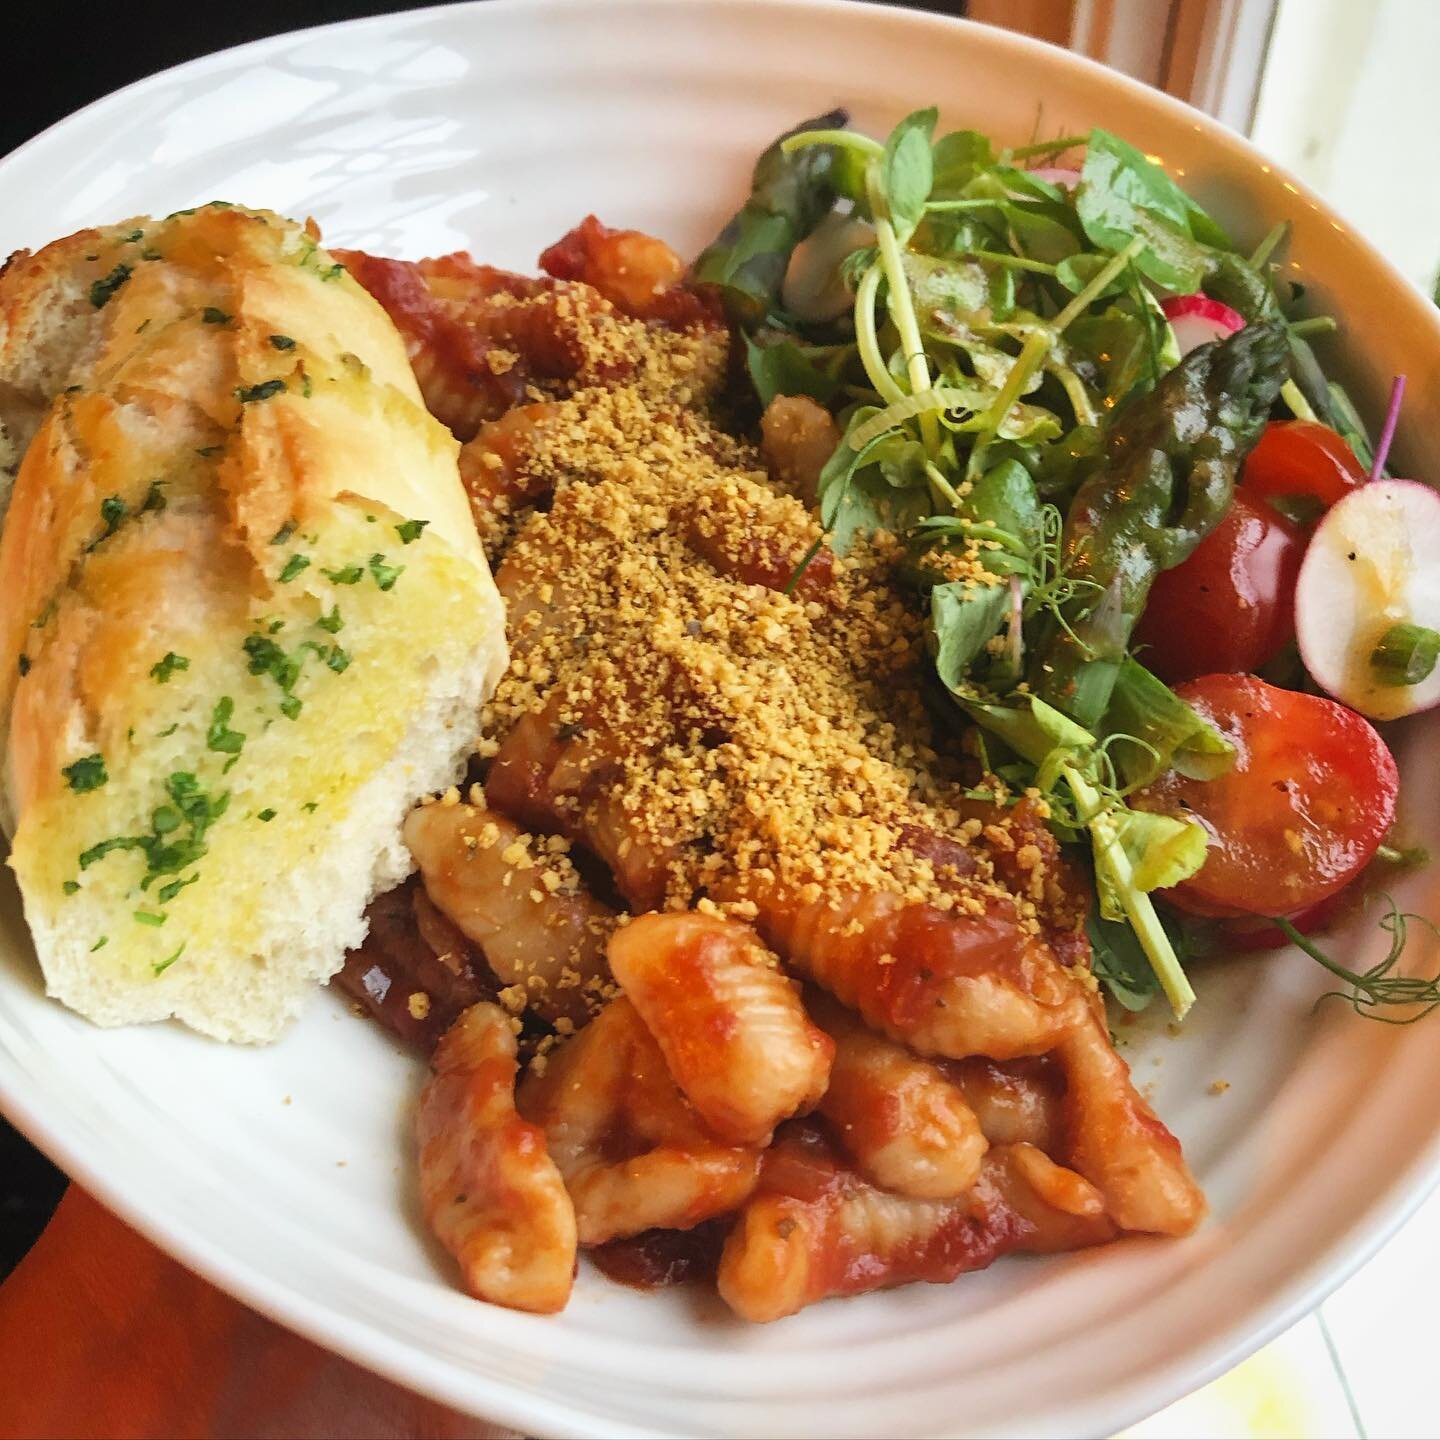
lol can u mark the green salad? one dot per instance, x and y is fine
(1049, 366)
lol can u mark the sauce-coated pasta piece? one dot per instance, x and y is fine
(944, 982)
(1116, 1141)
(1014, 1100)
(634, 1154)
(808, 1234)
(729, 1022)
(490, 1193)
(904, 1124)
(518, 899)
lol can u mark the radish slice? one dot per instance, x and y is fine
(1197, 320)
(1373, 563)
(1062, 175)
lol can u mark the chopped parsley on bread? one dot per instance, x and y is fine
(246, 620)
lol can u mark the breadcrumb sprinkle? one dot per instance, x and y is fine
(720, 730)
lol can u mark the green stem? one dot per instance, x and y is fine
(902, 307)
(984, 530)
(1300, 408)
(868, 342)
(1139, 908)
(1266, 248)
(845, 139)
(942, 484)
(1032, 352)
(1107, 272)
(973, 203)
(1315, 325)
(804, 565)
(1037, 347)
(1360, 982)
(1051, 147)
(1014, 262)
(1074, 388)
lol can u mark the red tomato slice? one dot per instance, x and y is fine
(1311, 795)
(1231, 605)
(1301, 460)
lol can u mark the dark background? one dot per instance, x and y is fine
(60, 56)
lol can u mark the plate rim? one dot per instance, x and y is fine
(534, 1411)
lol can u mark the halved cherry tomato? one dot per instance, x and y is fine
(1301, 461)
(1311, 795)
(1231, 605)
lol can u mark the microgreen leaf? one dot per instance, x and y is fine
(785, 368)
(907, 171)
(963, 618)
(955, 158)
(1122, 195)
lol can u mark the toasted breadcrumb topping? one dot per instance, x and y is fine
(739, 733)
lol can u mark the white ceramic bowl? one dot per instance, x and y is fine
(285, 1175)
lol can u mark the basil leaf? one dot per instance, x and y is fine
(870, 503)
(1042, 231)
(1025, 182)
(955, 286)
(1205, 228)
(1038, 228)
(1119, 170)
(856, 496)
(907, 171)
(1119, 344)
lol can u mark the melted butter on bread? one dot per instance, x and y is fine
(229, 478)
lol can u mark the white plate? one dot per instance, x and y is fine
(285, 1175)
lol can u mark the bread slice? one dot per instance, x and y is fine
(247, 622)
(46, 324)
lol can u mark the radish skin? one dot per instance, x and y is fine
(1198, 320)
(1373, 562)
(1064, 176)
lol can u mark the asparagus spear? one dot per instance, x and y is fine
(1163, 483)
(788, 196)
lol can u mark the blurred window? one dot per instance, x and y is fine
(1342, 92)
